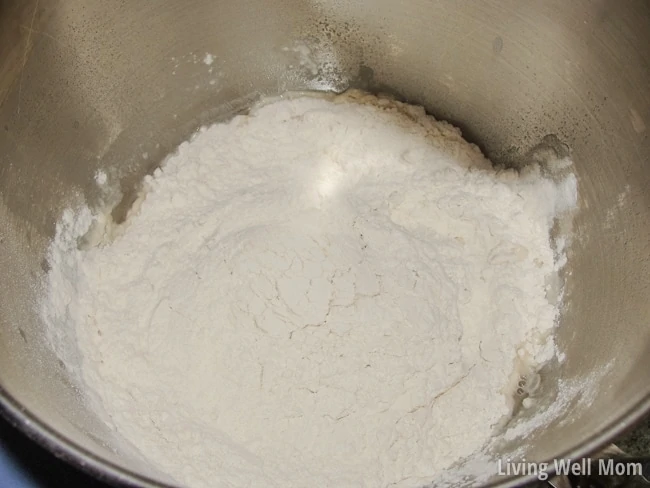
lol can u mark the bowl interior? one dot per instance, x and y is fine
(88, 85)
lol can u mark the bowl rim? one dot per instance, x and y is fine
(107, 471)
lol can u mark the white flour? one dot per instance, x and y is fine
(329, 292)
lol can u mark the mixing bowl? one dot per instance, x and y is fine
(88, 85)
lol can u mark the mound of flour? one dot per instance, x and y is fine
(329, 291)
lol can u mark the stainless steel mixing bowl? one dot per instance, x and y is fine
(90, 84)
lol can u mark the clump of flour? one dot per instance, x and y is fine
(329, 291)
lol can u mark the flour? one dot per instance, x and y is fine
(208, 59)
(329, 291)
(101, 177)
